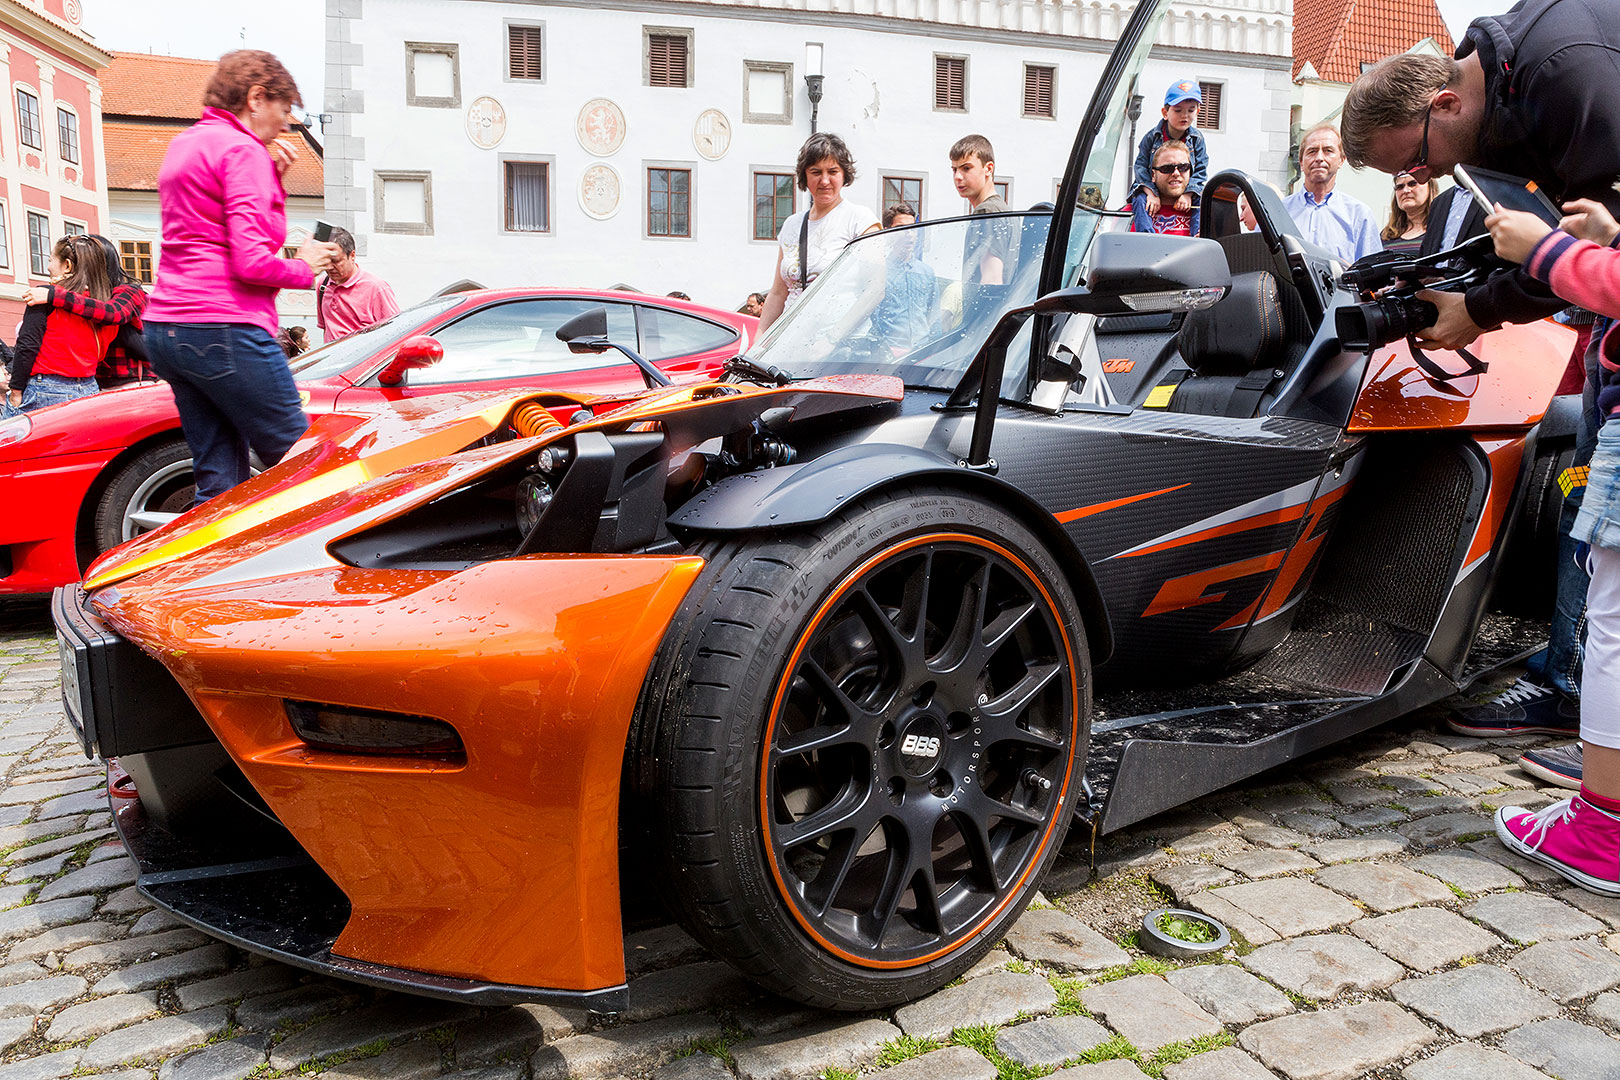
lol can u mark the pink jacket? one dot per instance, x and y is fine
(224, 223)
(1584, 273)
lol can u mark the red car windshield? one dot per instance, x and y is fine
(357, 348)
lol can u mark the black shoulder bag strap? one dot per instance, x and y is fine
(804, 252)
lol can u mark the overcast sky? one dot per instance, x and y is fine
(295, 30)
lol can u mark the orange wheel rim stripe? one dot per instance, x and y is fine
(826, 608)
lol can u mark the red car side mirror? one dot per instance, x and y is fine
(414, 352)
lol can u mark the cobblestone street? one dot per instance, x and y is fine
(1379, 929)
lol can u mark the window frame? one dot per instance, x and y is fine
(64, 110)
(135, 256)
(506, 51)
(380, 222)
(39, 123)
(650, 32)
(550, 162)
(413, 49)
(647, 168)
(749, 116)
(1006, 196)
(967, 101)
(920, 178)
(69, 224)
(769, 170)
(5, 234)
(1220, 116)
(44, 269)
(1024, 103)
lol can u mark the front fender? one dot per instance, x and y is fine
(791, 496)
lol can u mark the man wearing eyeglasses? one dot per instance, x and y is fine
(1172, 171)
(1330, 219)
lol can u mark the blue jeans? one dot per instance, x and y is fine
(43, 390)
(234, 391)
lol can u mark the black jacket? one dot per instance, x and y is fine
(1510, 296)
(1552, 69)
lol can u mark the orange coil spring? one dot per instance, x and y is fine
(534, 419)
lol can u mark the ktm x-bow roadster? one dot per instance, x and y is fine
(837, 647)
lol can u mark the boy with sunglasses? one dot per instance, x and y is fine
(1172, 171)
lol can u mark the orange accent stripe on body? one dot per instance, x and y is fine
(1096, 508)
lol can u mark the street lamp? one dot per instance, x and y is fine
(813, 79)
(1134, 111)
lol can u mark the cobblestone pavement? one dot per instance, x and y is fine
(1379, 930)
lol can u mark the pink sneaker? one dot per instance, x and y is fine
(1575, 838)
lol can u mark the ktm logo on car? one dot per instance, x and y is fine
(1118, 366)
(920, 745)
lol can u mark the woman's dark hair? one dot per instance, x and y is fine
(116, 277)
(1398, 221)
(818, 148)
(87, 266)
(240, 71)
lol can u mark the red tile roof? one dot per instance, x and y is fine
(137, 84)
(135, 150)
(1337, 36)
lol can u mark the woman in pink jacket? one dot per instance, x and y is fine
(1580, 836)
(211, 324)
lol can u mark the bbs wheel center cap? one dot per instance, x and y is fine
(920, 747)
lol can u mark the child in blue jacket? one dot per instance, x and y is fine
(1181, 104)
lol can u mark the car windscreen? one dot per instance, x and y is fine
(915, 302)
(355, 348)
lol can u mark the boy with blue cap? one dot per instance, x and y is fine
(1180, 110)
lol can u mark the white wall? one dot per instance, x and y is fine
(878, 97)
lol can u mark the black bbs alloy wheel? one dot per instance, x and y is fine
(858, 745)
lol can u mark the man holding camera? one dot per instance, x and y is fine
(1528, 95)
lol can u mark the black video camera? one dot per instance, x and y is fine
(1392, 282)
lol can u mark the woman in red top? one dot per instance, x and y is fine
(126, 361)
(57, 351)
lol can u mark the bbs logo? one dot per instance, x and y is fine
(920, 745)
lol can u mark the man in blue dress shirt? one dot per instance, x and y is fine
(1330, 219)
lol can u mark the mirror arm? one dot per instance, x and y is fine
(992, 362)
(649, 371)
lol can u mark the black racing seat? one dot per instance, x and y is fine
(1237, 349)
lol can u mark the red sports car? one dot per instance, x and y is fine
(86, 476)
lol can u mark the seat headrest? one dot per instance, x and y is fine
(1241, 333)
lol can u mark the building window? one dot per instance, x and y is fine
(667, 52)
(669, 202)
(767, 92)
(28, 126)
(1039, 85)
(73, 228)
(67, 133)
(525, 49)
(1004, 189)
(5, 244)
(528, 196)
(404, 202)
(950, 83)
(773, 203)
(136, 257)
(39, 244)
(902, 189)
(432, 75)
(1209, 113)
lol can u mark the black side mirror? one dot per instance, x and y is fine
(586, 332)
(1132, 273)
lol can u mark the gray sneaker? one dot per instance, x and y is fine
(1525, 708)
(1559, 765)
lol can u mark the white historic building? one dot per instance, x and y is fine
(566, 142)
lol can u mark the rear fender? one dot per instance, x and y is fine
(804, 493)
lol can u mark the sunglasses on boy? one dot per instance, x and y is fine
(1173, 167)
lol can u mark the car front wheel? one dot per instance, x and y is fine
(157, 481)
(860, 743)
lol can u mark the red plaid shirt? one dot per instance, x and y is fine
(126, 358)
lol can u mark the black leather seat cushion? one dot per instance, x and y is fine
(1243, 332)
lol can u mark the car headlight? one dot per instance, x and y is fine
(15, 429)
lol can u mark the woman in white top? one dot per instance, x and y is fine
(825, 168)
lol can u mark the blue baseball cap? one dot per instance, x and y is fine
(1184, 90)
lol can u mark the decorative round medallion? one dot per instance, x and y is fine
(486, 123)
(711, 135)
(599, 191)
(600, 127)
(73, 12)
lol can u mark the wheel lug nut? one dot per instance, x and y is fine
(1035, 780)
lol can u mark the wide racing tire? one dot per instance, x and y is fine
(860, 743)
(157, 479)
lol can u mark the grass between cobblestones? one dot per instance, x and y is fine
(369, 1050)
(904, 1048)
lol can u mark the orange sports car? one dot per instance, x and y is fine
(836, 648)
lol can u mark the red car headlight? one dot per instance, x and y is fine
(15, 429)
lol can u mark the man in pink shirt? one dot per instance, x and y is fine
(350, 298)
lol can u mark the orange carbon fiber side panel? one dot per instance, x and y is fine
(1526, 364)
(504, 869)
